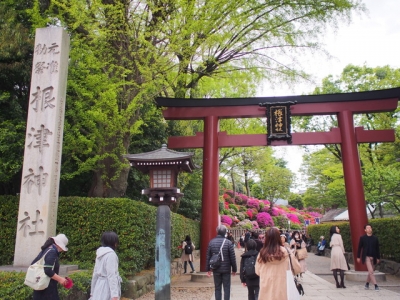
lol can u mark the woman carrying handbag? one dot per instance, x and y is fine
(272, 266)
(298, 246)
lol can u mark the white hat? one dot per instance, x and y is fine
(61, 241)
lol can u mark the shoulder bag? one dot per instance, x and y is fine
(293, 288)
(294, 264)
(215, 260)
(35, 277)
(301, 253)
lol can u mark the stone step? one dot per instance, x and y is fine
(361, 276)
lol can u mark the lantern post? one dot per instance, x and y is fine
(163, 165)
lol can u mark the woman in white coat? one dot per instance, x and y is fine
(106, 282)
(338, 261)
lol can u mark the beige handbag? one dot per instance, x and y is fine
(301, 253)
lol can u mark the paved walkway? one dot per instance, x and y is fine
(318, 284)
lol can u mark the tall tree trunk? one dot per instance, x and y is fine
(233, 184)
(110, 178)
(246, 182)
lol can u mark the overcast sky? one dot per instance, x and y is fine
(372, 39)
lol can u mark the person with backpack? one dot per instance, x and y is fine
(224, 264)
(51, 251)
(248, 275)
(188, 254)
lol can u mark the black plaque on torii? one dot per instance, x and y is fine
(278, 121)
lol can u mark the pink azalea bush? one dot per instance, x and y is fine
(253, 204)
(244, 199)
(255, 225)
(276, 212)
(250, 213)
(315, 214)
(265, 208)
(264, 220)
(226, 219)
(293, 218)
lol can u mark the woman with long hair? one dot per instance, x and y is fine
(338, 261)
(51, 250)
(271, 266)
(297, 243)
(187, 254)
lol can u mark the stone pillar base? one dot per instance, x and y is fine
(202, 277)
(361, 276)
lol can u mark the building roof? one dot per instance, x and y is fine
(331, 214)
(162, 157)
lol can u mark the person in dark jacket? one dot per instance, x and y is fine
(369, 246)
(259, 243)
(222, 275)
(253, 284)
(51, 249)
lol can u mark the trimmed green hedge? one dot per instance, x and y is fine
(387, 231)
(12, 287)
(84, 219)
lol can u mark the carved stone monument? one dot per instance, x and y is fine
(37, 216)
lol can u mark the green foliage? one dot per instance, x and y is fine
(234, 207)
(16, 48)
(84, 219)
(294, 226)
(281, 222)
(13, 287)
(379, 170)
(385, 229)
(295, 200)
(122, 58)
(8, 234)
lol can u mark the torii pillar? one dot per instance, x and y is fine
(209, 209)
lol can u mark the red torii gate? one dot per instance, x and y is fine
(343, 105)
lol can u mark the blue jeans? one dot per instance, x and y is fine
(185, 265)
(253, 292)
(225, 280)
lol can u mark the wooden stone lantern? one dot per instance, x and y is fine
(163, 165)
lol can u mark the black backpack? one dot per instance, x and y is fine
(249, 268)
(188, 248)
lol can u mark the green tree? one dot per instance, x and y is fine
(125, 53)
(16, 48)
(296, 201)
(376, 159)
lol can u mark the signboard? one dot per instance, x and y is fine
(278, 121)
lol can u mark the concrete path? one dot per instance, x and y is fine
(318, 284)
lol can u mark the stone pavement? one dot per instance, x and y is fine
(318, 284)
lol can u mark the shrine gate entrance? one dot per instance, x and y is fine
(348, 136)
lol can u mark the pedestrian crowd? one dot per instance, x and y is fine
(273, 262)
(271, 265)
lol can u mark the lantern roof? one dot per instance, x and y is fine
(164, 158)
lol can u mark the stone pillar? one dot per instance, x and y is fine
(37, 215)
(210, 209)
(163, 254)
(353, 182)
